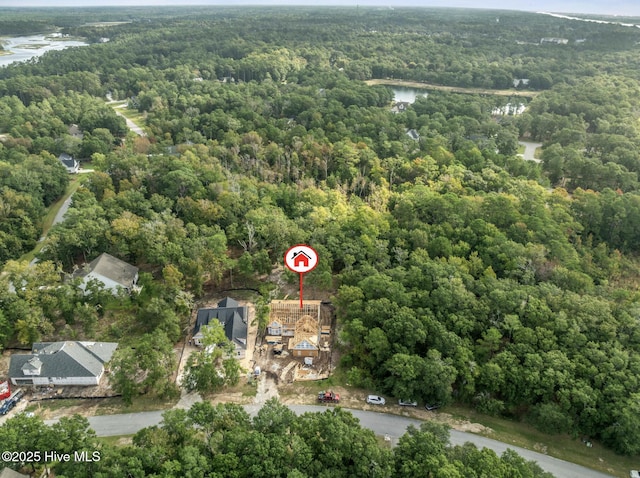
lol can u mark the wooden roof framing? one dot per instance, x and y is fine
(289, 311)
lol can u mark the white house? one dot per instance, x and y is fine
(61, 363)
(113, 273)
(69, 163)
(413, 134)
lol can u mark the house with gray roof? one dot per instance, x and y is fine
(113, 273)
(233, 318)
(400, 106)
(75, 131)
(413, 134)
(69, 163)
(61, 363)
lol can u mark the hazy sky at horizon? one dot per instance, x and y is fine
(602, 7)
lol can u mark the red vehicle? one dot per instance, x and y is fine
(328, 397)
(5, 390)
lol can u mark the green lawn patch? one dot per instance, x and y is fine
(111, 406)
(538, 153)
(100, 406)
(136, 116)
(52, 405)
(139, 118)
(249, 389)
(117, 440)
(563, 447)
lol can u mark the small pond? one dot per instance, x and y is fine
(409, 95)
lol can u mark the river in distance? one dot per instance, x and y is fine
(27, 47)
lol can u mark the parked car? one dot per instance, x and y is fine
(634, 474)
(407, 403)
(431, 407)
(375, 400)
(11, 402)
(328, 397)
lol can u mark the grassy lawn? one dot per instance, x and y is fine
(47, 221)
(101, 406)
(563, 447)
(307, 392)
(538, 153)
(312, 387)
(117, 440)
(137, 117)
(51, 405)
(111, 406)
(249, 389)
(242, 393)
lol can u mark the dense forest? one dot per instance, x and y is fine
(460, 272)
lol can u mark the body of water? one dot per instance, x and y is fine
(403, 93)
(27, 47)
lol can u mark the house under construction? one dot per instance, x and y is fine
(300, 325)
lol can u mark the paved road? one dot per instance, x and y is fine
(62, 211)
(380, 423)
(529, 150)
(59, 218)
(124, 424)
(130, 124)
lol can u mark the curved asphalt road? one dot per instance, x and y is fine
(380, 423)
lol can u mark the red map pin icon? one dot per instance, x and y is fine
(301, 259)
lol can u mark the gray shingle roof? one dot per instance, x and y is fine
(64, 359)
(228, 302)
(112, 268)
(67, 160)
(231, 315)
(33, 363)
